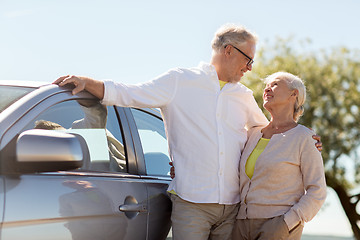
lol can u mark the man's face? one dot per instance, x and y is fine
(240, 61)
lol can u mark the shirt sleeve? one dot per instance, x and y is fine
(312, 169)
(154, 94)
(256, 117)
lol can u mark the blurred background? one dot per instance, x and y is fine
(134, 41)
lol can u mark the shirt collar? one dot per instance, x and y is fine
(207, 67)
(210, 69)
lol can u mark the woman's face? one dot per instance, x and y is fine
(278, 93)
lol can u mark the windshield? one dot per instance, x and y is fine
(10, 94)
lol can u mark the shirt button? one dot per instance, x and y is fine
(219, 133)
(221, 153)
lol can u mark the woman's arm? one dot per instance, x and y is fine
(313, 177)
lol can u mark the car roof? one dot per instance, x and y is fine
(18, 83)
(38, 84)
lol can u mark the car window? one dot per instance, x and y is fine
(154, 144)
(9, 94)
(97, 124)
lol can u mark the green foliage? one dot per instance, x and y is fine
(332, 109)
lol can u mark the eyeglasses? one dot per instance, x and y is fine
(251, 61)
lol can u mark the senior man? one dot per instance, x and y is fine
(206, 112)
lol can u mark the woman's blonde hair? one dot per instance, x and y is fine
(294, 83)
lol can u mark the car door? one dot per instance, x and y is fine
(151, 148)
(105, 199)
(2, 198)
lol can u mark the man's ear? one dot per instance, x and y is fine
(227, 50)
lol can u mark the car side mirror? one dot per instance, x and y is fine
(40, 150)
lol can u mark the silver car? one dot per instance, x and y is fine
(72, 168)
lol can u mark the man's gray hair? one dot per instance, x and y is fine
(294, 83)
(232, 34)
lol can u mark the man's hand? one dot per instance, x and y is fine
(318, 144)
(172, 170)
(93, 86)
(78, 82)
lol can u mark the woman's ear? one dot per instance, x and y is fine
(295, 92)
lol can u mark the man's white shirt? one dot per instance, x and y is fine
(205, 127)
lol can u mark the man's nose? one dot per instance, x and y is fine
(249, 67)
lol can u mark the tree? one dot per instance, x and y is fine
(332, 78)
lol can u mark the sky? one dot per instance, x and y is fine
(134, 41)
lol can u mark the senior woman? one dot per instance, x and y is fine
(282, 180)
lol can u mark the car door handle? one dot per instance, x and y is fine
(133, 208)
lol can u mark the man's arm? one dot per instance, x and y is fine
(93, 86)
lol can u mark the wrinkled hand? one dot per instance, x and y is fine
(318, 144)
(172, 170)
(78, 82)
